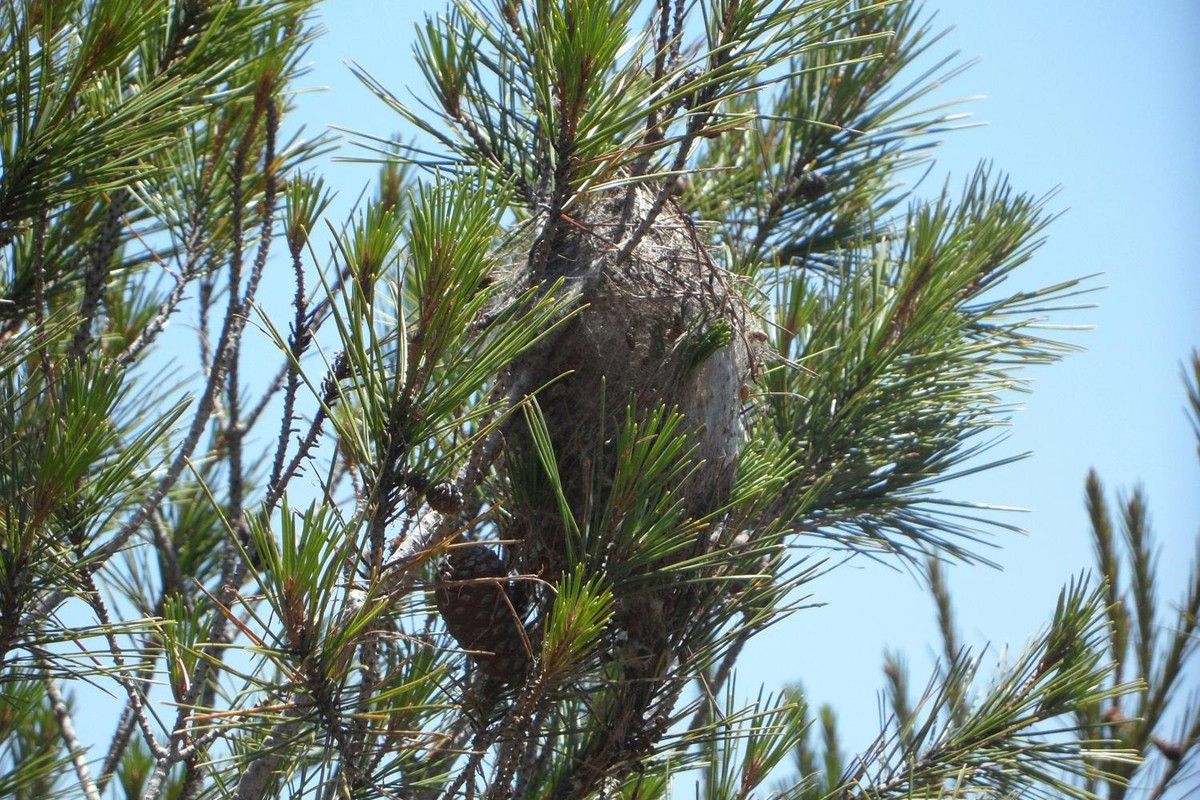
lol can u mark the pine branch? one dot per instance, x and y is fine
(1005, 742)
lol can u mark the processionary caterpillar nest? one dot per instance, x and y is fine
(659, 324)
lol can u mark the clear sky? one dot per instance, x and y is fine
(1096, 97)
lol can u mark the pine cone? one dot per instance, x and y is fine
(477, 603)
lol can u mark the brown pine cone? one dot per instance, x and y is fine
(475, 600)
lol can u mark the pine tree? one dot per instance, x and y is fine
(547, 417)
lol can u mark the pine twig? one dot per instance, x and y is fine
(66, 729)
(96, 273)
(136, 700)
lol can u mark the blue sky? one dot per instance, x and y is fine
(1095, 98)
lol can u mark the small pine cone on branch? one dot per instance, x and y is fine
(482, 612)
